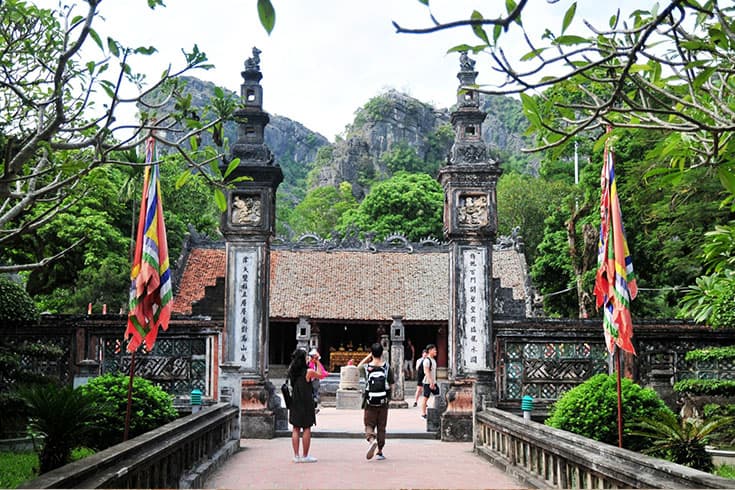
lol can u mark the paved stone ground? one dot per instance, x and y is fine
(409, 463)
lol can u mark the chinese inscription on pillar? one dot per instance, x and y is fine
(474, 340)
(244, 303)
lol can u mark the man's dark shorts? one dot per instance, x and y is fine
(428, 392)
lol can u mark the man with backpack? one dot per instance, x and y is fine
(379, 381)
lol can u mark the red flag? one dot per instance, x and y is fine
(150, 279)
(615, 283)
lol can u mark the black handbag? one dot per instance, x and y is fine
(286, 392)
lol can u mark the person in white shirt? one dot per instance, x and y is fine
(430, 386)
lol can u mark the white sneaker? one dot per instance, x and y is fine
(308, 459)
(297, 459)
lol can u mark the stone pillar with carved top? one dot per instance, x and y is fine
(248, 225)
(397, 338)
(470, 224)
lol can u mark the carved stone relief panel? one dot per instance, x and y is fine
(246, 210)
(473, 210)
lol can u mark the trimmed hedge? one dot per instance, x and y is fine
(711, 387)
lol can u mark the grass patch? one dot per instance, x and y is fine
(725, 471)
(16, 468)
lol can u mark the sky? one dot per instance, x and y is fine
(324, 58)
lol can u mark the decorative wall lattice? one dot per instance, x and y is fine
(671, 356)
(546, 370)
(178, 365)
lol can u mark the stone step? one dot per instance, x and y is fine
(361, 435)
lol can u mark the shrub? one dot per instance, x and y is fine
(15, 303)
(16, 369)
(680, 441)
(61, 415)
(591, 409)
(151, 408)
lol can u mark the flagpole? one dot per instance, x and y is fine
(620, 397)
(128, 410)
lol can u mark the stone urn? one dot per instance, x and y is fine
(348, 393)
(349, 378)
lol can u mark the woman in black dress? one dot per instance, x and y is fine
(301, 414)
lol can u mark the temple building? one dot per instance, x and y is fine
(341, 295)
(349, 290)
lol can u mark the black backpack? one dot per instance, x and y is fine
(377, 384)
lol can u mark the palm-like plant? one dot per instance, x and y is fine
(680, 441)
(61, 415)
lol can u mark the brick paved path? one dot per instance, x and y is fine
(266, 464)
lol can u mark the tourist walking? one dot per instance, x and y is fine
(408, 354)
(430, 386)
(301, 413)
(419, 377)
(379, 381)
(321, 373)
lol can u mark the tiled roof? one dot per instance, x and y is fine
(202, 268)
(355, 285)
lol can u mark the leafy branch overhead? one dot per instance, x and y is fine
(60, 117)
(667, 67)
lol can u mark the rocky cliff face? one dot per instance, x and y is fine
(293, 145)
(386, 120)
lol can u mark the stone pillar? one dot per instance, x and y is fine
(314, 340)
(441, 355)
(248, 227)
(384, 340)
(397, 337)
(303, 333)
(470, 224)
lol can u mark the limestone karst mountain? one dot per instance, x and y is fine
(386, 125)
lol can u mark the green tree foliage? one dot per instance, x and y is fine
(53, 157)
(590, 410)
(712, 297)
(402, 158)
(322, 208)
(62, 415)
(151, 408)
(104, 220)
(526, 201)
(407, 203)
(439, 143)
(15, 303)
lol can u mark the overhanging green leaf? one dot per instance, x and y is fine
(267, 15)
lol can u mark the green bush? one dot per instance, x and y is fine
(591, 410)
(15, 303)
(151, 408)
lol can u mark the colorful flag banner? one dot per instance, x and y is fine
(615, 283)
(150, 279)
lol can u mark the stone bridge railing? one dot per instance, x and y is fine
(544, 457)
(180, 454)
